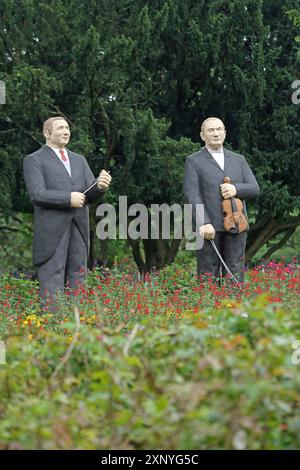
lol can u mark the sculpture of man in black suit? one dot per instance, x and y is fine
(55, 179)
(204, 184)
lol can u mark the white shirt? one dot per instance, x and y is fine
(67, 163)
(218, 155)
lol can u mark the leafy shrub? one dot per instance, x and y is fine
(221, 378)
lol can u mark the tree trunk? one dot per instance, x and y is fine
(135, 247)
(280, 244)
(157, 253)
(266, 230)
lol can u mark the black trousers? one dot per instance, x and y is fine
(232, 250)
(67, 264)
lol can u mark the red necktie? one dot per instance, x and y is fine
(63, 157)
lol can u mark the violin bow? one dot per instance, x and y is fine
(92, 185)
(223, 262)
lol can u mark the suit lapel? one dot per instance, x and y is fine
(227, 160)
(72, 163)
(211, 159)
(56, 160)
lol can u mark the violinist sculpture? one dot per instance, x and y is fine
(204, 184)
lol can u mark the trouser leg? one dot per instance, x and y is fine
(76, 266)
(234, 254)
(51, 274)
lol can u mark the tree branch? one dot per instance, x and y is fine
(56, 108)
(268, 232)
(290, 223)
(31, 136)
(280, 244)
(260, 224)
(11, 229)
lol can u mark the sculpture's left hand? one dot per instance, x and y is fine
(227, 190)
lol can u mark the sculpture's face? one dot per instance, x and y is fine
(214, 133)
(60, 135)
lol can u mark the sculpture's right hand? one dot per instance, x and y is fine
(207, 231)
(77, 199)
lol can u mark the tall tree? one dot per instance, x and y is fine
(135, 78)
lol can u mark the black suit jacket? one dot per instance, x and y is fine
(202, 179)
(49, 187)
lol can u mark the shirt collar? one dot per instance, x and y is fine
(57, 149)
(219, 150)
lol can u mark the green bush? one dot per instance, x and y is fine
(223, 378)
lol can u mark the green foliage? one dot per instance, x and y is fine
(154, 162)
(163, 362)
(286, 253)
(295, 17)
(7, 180)
(16, 242)
(221, 379)
(136, 79)
(123, 296)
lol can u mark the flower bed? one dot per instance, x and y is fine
(163, 363)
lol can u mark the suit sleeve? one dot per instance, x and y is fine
(39, 195)
(192, 192)
(94, 193)
(249, 188)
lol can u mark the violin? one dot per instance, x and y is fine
(234, 218)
